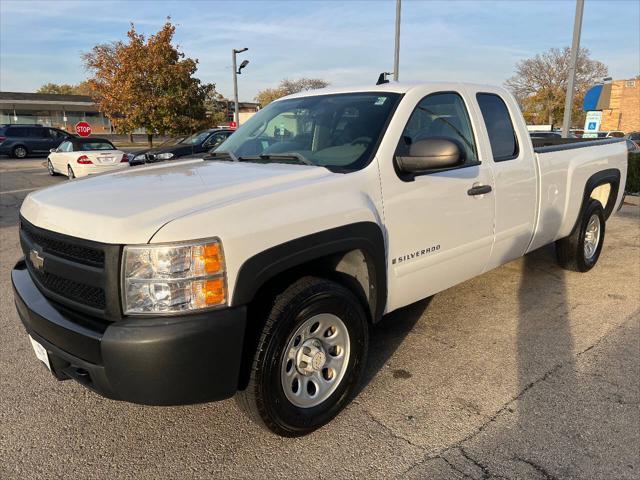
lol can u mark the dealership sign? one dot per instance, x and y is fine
(83, 129)
(592, 124)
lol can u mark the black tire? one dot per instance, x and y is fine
(52, 172)
(571, 250)
(19, 151)
(70, 173)
(264, 399)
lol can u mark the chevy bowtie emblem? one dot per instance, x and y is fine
(36, 260)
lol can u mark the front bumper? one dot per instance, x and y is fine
(155, 361)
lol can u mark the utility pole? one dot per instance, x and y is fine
(575, 48)
(396, 57)
(236, 71)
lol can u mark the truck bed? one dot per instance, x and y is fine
(545, 145)
(565, 170)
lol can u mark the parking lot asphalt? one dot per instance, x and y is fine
(526, 372)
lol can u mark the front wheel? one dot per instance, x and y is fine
(309, 360)
(50, 168)
(580, 251)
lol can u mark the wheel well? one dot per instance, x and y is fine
(602, 186)
(602, 194)
(353, 269)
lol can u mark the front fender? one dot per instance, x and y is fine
(364, 236)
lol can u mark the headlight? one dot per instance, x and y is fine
(164, 156)
(173, 278)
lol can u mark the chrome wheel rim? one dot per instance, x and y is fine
(20, 152)
(50, 167)
(315, 360)
(70, 173)
(592, 237)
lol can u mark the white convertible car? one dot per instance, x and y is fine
(79, 157)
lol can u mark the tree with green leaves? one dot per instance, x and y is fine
(289, 87)
(148, 83)
(540, 84)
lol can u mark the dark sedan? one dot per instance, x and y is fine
(199, 142)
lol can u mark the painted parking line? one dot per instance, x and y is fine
(8, 192)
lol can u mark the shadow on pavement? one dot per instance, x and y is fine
(387, 335)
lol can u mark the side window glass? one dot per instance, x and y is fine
(502, 136)
(65, 147)
(55, 134)
(216, 139)
(441, 115)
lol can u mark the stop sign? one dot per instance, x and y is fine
(83, 129)
(233, 125)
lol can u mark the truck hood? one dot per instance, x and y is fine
(131, 205)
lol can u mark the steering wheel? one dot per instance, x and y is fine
(361, 140)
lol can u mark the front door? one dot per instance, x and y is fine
(440, 232)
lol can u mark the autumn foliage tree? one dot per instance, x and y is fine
(540, 84)
(288, 87)
(148, 83)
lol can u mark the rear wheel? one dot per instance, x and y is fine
(70, 173)
(19, 152)
(309, 360)
(580, 251)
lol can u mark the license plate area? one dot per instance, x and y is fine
(41, 352)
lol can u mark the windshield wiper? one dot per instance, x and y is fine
(221, 156)
(297, 157)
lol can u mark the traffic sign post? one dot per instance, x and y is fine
(83, 129)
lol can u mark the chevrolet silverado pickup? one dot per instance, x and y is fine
(258, 271)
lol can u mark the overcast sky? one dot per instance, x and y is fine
(347, 42)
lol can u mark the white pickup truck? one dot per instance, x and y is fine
(258, 271)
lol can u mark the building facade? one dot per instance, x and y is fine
(52, 110)
(614, 105)
(64, 111)
(623, 112)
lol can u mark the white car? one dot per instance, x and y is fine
(79, 157)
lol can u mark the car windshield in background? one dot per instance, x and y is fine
(337, 131)
(87, 147)
(172, 141)
(196, 138)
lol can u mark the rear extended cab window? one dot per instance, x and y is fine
(502, 135)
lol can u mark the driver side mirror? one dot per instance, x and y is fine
(53, 150)
(429, 154)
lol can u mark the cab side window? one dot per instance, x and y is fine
(441, 115)
(502, 136)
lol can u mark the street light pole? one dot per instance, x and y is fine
(236, 110)
(396, 56)
(575, 48)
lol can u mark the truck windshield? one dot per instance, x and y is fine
(337, 131)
